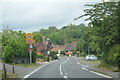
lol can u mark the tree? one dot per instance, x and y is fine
(37, 36)
(103, 28)
(14, 45)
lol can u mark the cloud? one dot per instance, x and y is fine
(34, 15)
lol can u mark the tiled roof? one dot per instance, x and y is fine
(40, 46)
(58, 47)
(69, 46)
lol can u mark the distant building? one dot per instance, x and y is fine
(43, 47)
(58, 48)
(68, 47)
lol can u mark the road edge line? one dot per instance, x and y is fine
(26, 76)
(100, 74)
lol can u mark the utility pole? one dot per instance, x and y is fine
(79, 51)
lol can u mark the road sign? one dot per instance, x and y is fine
(30, 49)
(29, 38)
(30, 46)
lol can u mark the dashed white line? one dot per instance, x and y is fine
(83, 66)
(65, 77)
(78, 63)
(84, 69)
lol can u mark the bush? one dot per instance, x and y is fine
(82, 54)
(113, 57)
(62, 52)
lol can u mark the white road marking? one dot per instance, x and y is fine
(61, 70)
(100, 74)
(33, 71)
(83, 66)
(78, 63)
(84, 69)
(65, 77)
(66, 73)
(61, 66)
(97, 73)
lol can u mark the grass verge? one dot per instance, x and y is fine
(9, 75)
(108, 67)
(93, 62)
(0, 74)
(28, 65)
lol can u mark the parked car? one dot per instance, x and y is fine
(91, 57)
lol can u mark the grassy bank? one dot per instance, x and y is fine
(28, 65)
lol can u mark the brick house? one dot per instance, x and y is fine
(43, 47)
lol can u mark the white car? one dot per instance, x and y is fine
(91, 57)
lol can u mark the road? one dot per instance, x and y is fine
(66, 67)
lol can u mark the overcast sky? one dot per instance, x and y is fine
(32, 15)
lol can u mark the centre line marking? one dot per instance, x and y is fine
(65, 77)
(78, 63)
(61, 66)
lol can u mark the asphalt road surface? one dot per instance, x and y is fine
(66, 67)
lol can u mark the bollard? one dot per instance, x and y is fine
(3, 66)
(13, 69)
(5, 73)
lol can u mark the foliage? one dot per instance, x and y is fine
(14, 45)
(62, 52)
(37, 36)
(101, 36)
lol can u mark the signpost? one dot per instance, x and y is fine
(29, 40)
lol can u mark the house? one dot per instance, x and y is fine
(68, 47)
(43, 47)
(58, 48)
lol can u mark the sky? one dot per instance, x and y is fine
(33, 15)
